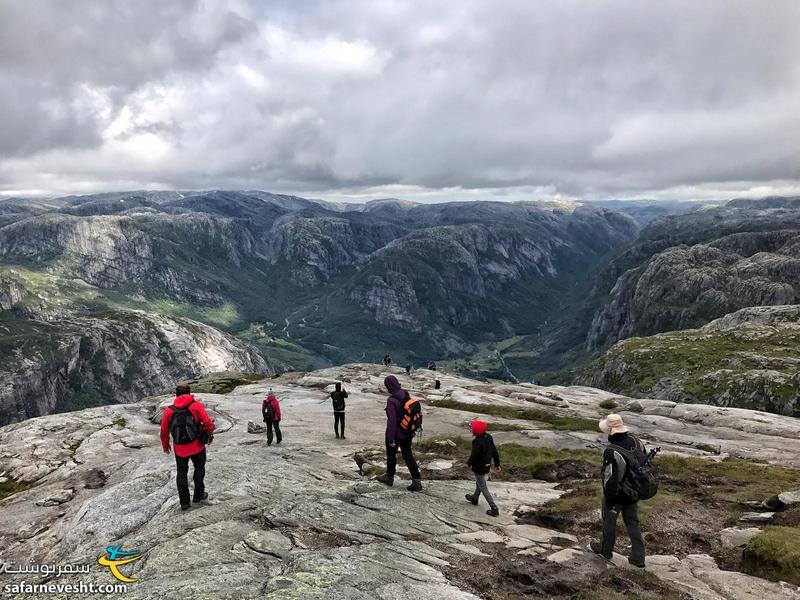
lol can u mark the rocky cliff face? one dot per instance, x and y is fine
(686, 271)
(300, 521)
(108, 358)
(746, 359)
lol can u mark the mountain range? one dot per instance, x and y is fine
(89, 284)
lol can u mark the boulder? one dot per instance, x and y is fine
(255, 427)
(790, 498)
(734, 537)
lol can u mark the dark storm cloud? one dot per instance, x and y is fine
(517, 99)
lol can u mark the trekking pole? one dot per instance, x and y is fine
(647, 461)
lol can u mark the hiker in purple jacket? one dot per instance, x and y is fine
(397, 437)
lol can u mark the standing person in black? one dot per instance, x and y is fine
(338, 396)
(615, 500)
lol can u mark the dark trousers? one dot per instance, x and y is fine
(408, 457)
(278, 436)
(630, 515)
(199, 463)
(338, 417)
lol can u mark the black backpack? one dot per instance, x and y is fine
(338, 401)
(641, 480)
(183, 427)
(268, 411)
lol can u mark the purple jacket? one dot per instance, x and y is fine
(394, 409)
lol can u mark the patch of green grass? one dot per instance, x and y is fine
(506, 427)
(732, 479)
(531, 458)
(750, 368)
(708, 448)
(120, 421)
(774, 554)
(223, 383)
(552, 420)
(515, 458)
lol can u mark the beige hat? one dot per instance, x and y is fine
(613, 424)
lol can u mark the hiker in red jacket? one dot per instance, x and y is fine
(271, 411)
(191, 429)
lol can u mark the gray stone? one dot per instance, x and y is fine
(757, 517)
(733, 537)
(790, 498)
(256, 427)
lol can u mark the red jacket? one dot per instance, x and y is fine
(200, 415)
(276, 407)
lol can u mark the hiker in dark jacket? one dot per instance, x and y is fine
(615, 470)
(188, 416)
(484, 452)
(338, 396)
(397, 437)
(271, 412)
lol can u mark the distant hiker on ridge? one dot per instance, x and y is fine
(191, 429)
(271, 411)
(387, 361)
(402, 421)
(617, 491)
(337, 397)
(484, 452)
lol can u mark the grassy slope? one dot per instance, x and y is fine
(749, 367)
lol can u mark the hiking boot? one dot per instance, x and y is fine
(416, 486)
(205, 496)
(337, 436)
(344, 438)
(640, 565)
(185, 506)
(493, 511)
(473, 499)
(596, 547)
(386, 479)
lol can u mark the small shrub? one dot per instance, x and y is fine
(608, 404)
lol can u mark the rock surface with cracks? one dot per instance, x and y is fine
(298, 521)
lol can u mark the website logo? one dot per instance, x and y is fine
(115, 557)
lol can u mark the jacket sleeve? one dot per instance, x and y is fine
(610, 474)
(165, 420)
(475, 454)
(495, 455)
(344, 394)
(391, 419)
(264, 409)
(202, 416)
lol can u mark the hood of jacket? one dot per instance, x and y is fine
(394, 387)
(183, 401)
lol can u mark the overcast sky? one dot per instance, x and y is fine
(423, 100)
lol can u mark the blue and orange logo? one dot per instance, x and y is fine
(115, 557)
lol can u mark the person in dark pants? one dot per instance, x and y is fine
(190, 427)
(271, 411)
(338, 396)
(615, 501)
(397, 437)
